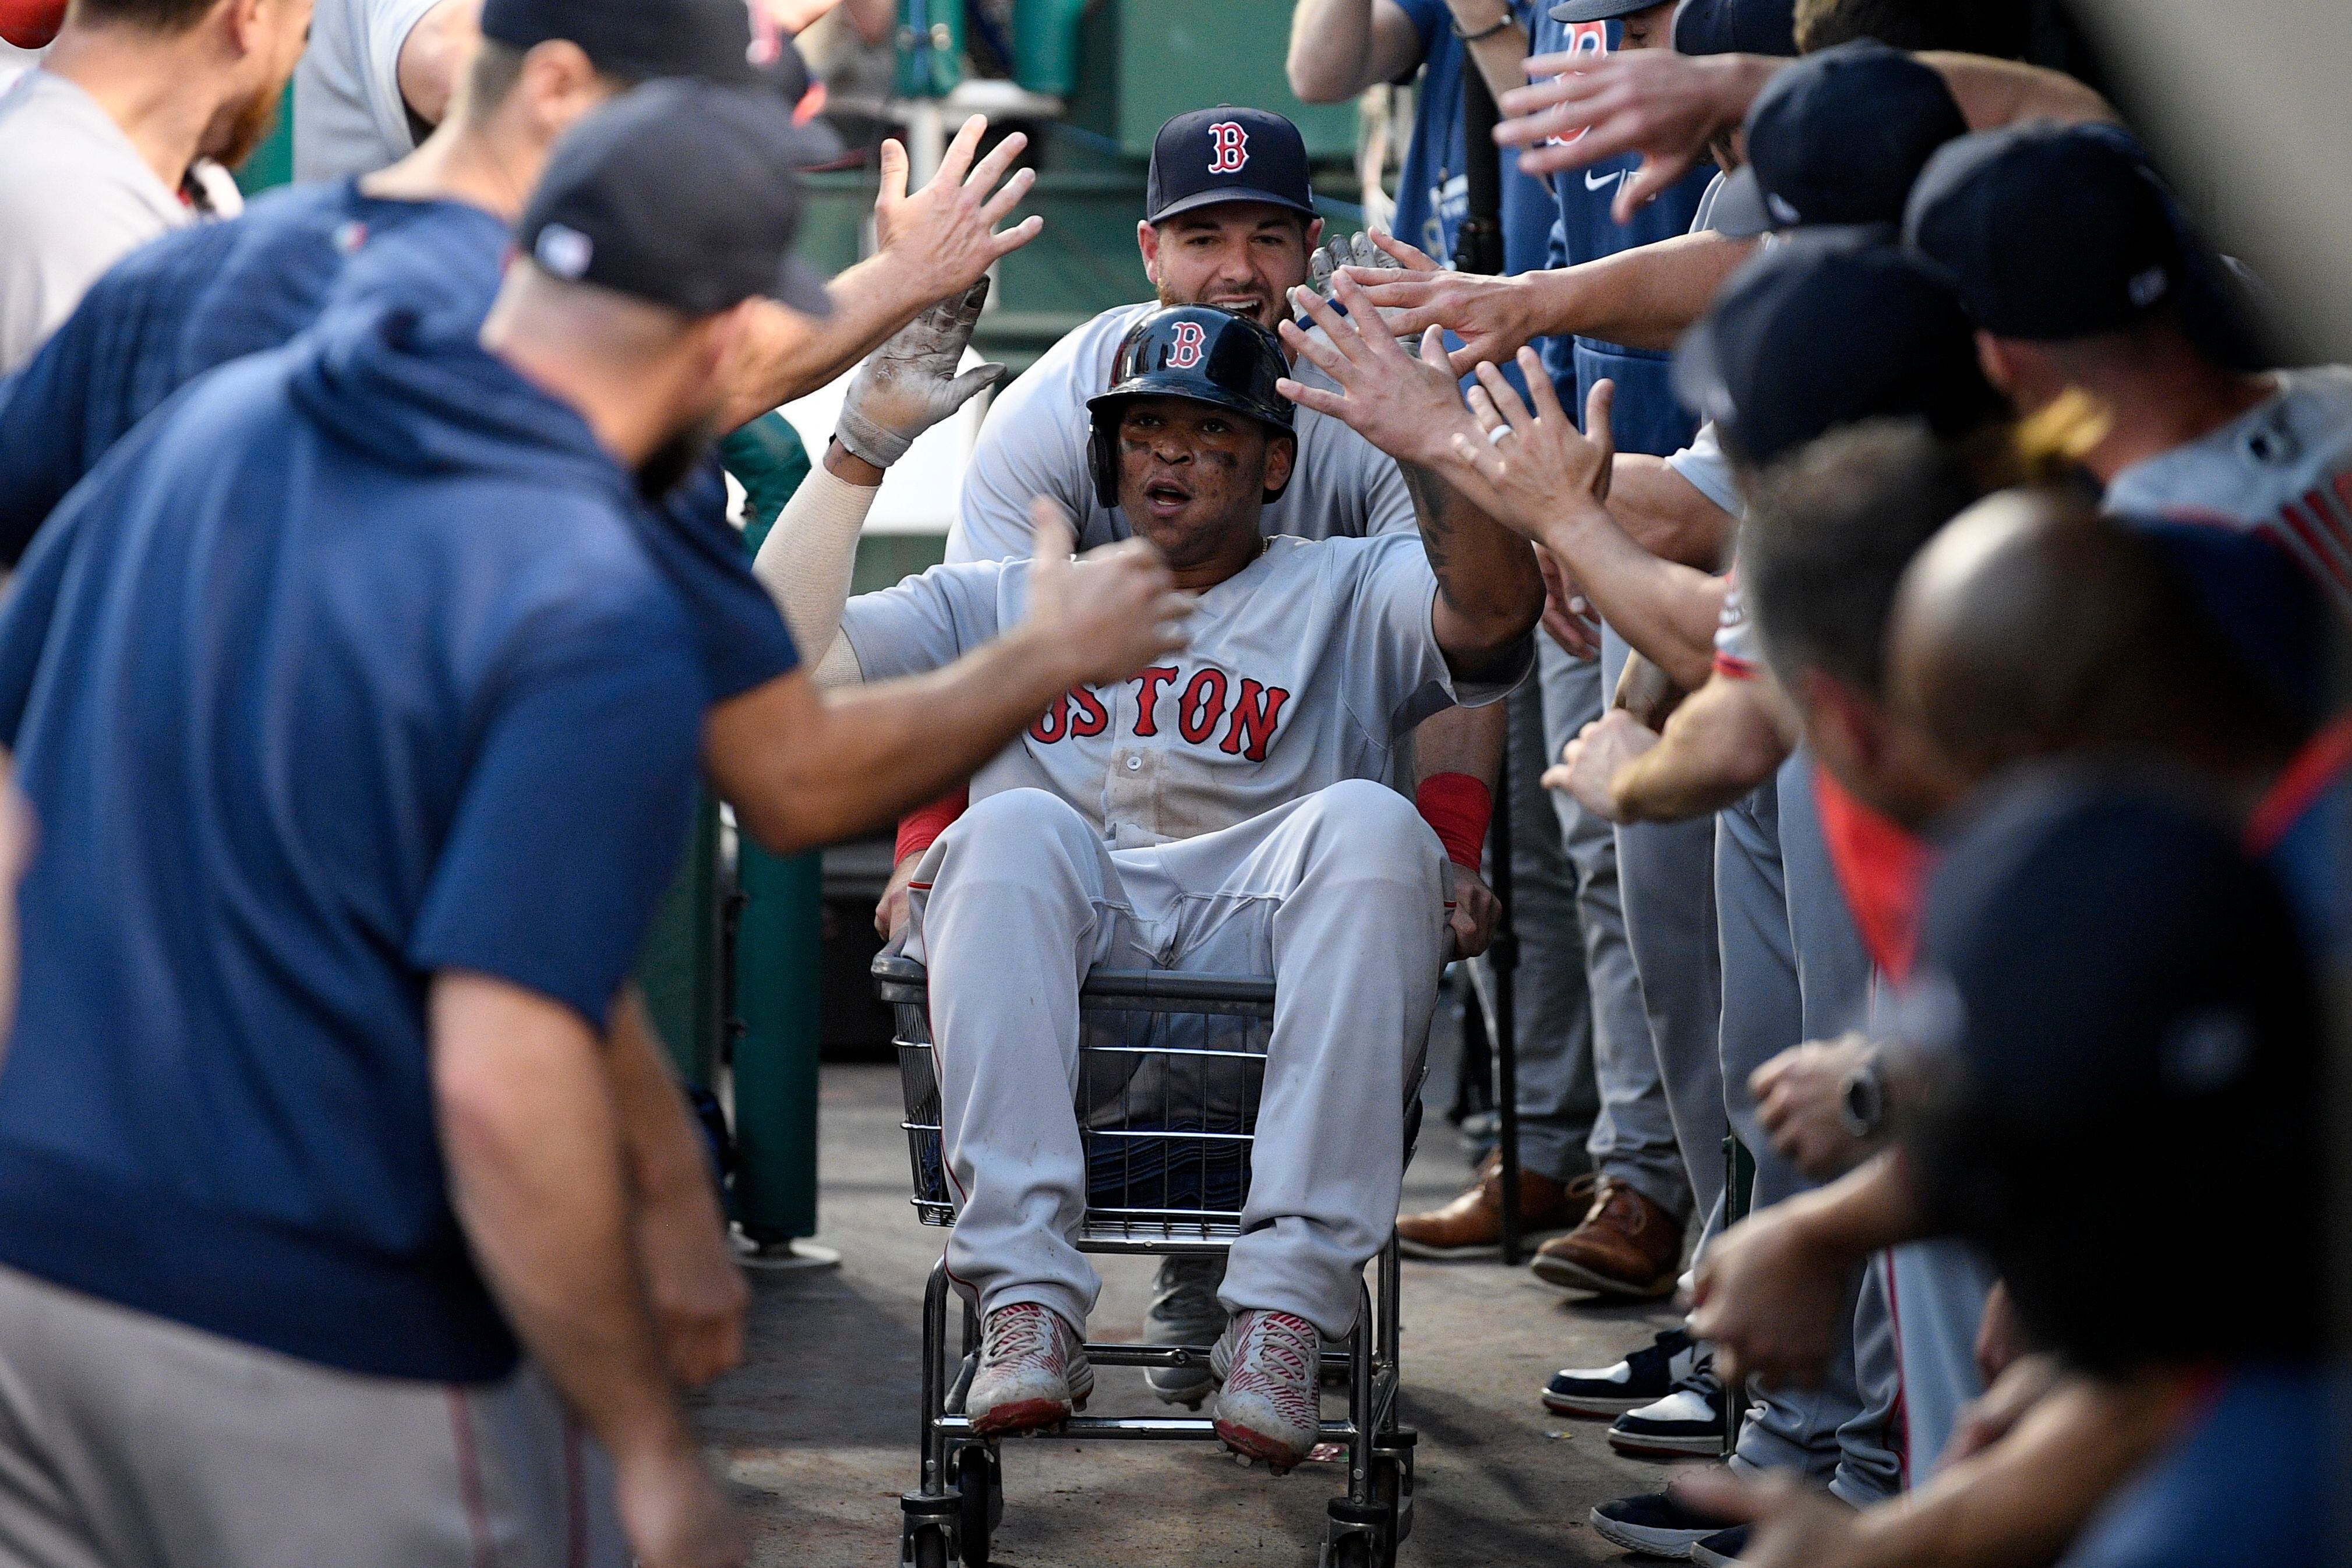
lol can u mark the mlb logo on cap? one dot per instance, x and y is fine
(565, 252)
(1226, 154)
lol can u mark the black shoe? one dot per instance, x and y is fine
(1642, 1378)
(1653, 1525)
(1690, 1420)
(1722, 1549)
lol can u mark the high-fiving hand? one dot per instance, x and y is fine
(943, 237)
(1110, 612)
(1407, 407)
(1525, 470)
(910, 384)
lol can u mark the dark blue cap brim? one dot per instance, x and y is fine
(1223, 195)
(1600, 10)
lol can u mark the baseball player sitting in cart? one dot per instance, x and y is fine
(1222, 812)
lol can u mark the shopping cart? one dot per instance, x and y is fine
(1170, 1069)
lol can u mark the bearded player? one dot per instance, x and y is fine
(1222, 812)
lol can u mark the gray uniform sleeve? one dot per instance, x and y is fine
(1034, 444)
(925, 623)
(1708, 471)
(1388, 505)
(1397, 676)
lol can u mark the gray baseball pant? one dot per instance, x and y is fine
(131, 1441)
(1559, 1106)
(1938, 1291)
(1666, 875)
(1633, 1134)
(1338, 896)
(1829, 1432)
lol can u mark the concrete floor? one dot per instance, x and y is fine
(816, 1430)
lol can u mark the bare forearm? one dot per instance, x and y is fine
(1667, 515)
(857, 757)
(532, 1143)
(2020, 1502)
(1992, 93)
(1337, 49)
(665, 1150)
(1489, 589)
(435, 50)
(1666, 611)
(1645, 298)
(869, 304)
(1499, 53)
(1462, 740)
(1718, 745)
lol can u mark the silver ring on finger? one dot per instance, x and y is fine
(1494, 437)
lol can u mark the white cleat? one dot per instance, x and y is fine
(1270, 1406)
(1032, 1371)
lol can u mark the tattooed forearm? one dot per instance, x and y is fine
(1430, 510)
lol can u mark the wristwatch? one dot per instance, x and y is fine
(1862, 1101)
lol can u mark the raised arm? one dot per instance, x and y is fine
(1489, 590)
(1339, 47)
(931, 246)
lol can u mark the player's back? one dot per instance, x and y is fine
(262, 675)
(185, 304)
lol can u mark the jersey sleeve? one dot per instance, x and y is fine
(1387, 503)
(384, 26)
(574, 809)
(927, 622)
(1396, 674)
(1033, 443)
(1709, 471)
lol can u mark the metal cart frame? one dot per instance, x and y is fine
(959, 1501)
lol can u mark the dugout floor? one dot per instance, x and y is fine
(816, 1431)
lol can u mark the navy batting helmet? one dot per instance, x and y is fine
(1189, 350)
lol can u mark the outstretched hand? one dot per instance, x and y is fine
(910, 384)
(1413, 293)
(1665, 106)
(1406, 406)
(1527, 469)
(942, 238)
(1110, 612)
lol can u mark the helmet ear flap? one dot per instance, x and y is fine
(1102, 457)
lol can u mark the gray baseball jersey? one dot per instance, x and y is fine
(1034, 443)
(2283, 468)
(1304, 669)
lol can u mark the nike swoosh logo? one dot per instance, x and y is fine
(1601, 182)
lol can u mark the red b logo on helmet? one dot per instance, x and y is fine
(1231, 144)
(1185, 352)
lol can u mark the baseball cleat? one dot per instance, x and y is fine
(1269, 1407)
(1032, 1371)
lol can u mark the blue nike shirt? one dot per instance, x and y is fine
(1646, 416)
(205, 296)
(349, 665)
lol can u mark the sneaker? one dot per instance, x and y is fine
(1269, 1407)
(1690, 1420)
(1472, 1225)
(1627, 1246)
(1184, 1311)
(1652, 1524)
(1032, 1371)
(1646, 1376)
(1722, 1549)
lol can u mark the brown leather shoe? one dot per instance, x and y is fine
(1627, 1246)
(1472, 1225)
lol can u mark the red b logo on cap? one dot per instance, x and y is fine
(1185, 352)
(1231, 144)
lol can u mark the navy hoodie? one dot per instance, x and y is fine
(348, 666)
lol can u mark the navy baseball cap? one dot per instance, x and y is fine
(1823, 331)
(1600, 10)
(2048, 231)
(681, 194)
(1226, 154)
(1736, 27)
(2103, 968)
(1838, 138)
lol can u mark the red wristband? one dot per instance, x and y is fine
(920, 828)
(1458, 807)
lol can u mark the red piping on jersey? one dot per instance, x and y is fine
(2323, 760)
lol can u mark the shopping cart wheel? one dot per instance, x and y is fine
(927, 1530)
(980, 1479)
(1356, 1536)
